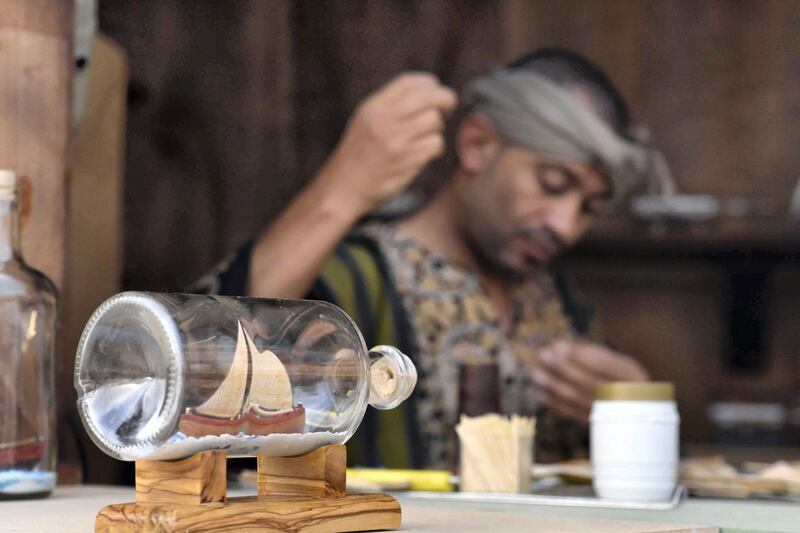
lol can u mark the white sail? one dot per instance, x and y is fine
(270, 388)
(227, 401)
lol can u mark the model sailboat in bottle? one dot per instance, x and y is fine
(255, 398)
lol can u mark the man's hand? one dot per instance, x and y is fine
(570, 370)
(391, 136)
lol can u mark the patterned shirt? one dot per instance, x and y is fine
(455, 323)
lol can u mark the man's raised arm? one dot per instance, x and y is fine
(390, 137)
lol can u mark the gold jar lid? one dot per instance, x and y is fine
(641, 391)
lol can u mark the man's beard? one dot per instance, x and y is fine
(488, 250)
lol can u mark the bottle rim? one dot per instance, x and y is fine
(169, 410)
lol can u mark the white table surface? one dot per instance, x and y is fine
(73, 508)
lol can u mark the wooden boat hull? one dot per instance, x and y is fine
(195, 425)
(292, 422)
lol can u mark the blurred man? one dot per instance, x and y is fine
(538, 146)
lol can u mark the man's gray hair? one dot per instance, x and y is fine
(533, 112)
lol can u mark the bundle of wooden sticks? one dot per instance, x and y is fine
(496, 453)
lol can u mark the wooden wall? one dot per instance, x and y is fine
(35, 79)
(36, 59)
(233, 105)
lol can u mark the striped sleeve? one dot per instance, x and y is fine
(353, 278)
(578, 310)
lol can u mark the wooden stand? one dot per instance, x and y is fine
(297, 494)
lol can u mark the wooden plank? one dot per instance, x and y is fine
(321, 473)
(363, 512)
(36, 62)
(49, 17)
(36, 66)
(94, 239)
(198, 479)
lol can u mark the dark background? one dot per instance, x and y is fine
(233, 105)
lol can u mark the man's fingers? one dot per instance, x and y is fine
(559, 361)
(606, 364)
(562, 408)
(396, 88)
(427, 148)
(563, 390)
(419, 100)
(571, 369)
(430, 121)
(403, 96)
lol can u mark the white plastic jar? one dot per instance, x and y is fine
(634, 441)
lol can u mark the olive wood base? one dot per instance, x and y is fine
(297, 494)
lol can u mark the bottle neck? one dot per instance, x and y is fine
(9, 230)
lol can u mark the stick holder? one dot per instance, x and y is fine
(296, 494)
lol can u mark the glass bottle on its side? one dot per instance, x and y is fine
(164, 376)
(28, 306)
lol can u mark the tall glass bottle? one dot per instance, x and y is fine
(28, 305)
